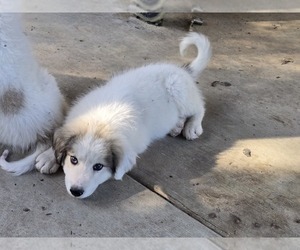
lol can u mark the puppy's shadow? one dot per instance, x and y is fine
(114, 193)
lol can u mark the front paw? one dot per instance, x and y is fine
(119, 175)
(178, 128)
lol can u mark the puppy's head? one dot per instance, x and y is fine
(87, 159)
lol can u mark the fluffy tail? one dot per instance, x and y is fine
(23, 165)
(204, 52)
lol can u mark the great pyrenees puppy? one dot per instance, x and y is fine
(109, 127)
(31, 105)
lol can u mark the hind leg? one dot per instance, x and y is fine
(178, 128)
(193, 128)
(23, 165)
(195, 109)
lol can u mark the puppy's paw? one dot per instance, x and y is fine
(126, 165)
(46, 162)
(192, 130)
(119, 175)
(178, 129)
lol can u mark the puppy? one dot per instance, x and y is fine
(31, 105)
(109, 127)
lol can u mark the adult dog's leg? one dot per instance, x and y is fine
(178, 128)
(23, 165)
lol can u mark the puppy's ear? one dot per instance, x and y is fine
(117, 155)
(62, 143)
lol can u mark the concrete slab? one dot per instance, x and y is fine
(169, 6)
(36, 205)
(240, 179)
(112, 243)
(213, 179)
(151, 243)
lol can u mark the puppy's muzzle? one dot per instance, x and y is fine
(76, 191)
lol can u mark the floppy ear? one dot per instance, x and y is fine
(62, 142)
(117, 154)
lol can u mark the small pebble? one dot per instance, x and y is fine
(212, 215)
(257, 225)
(286, 61)
(247, 152)
(275, 226)
(225, 84)
(236, 219)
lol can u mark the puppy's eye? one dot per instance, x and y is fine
(73, 160)
(98, 167)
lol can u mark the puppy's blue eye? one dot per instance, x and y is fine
(98, 167)
(73, 160)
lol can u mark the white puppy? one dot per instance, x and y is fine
(31, 105)
(106, 129)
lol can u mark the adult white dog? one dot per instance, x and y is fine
(31, 105)
(106, 129)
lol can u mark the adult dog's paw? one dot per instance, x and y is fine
(46, 162)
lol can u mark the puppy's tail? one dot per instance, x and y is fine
(21, 166)
(204, 52)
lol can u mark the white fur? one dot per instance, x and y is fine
(42, 108)
(132, 110)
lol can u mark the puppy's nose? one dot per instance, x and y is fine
(76, 191)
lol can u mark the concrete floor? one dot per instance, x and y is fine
(169, 6)
(241, 178)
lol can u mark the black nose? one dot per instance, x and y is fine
(76, 191)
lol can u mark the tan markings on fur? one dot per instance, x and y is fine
(81, 128)
(103, 131)
(12, 101)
